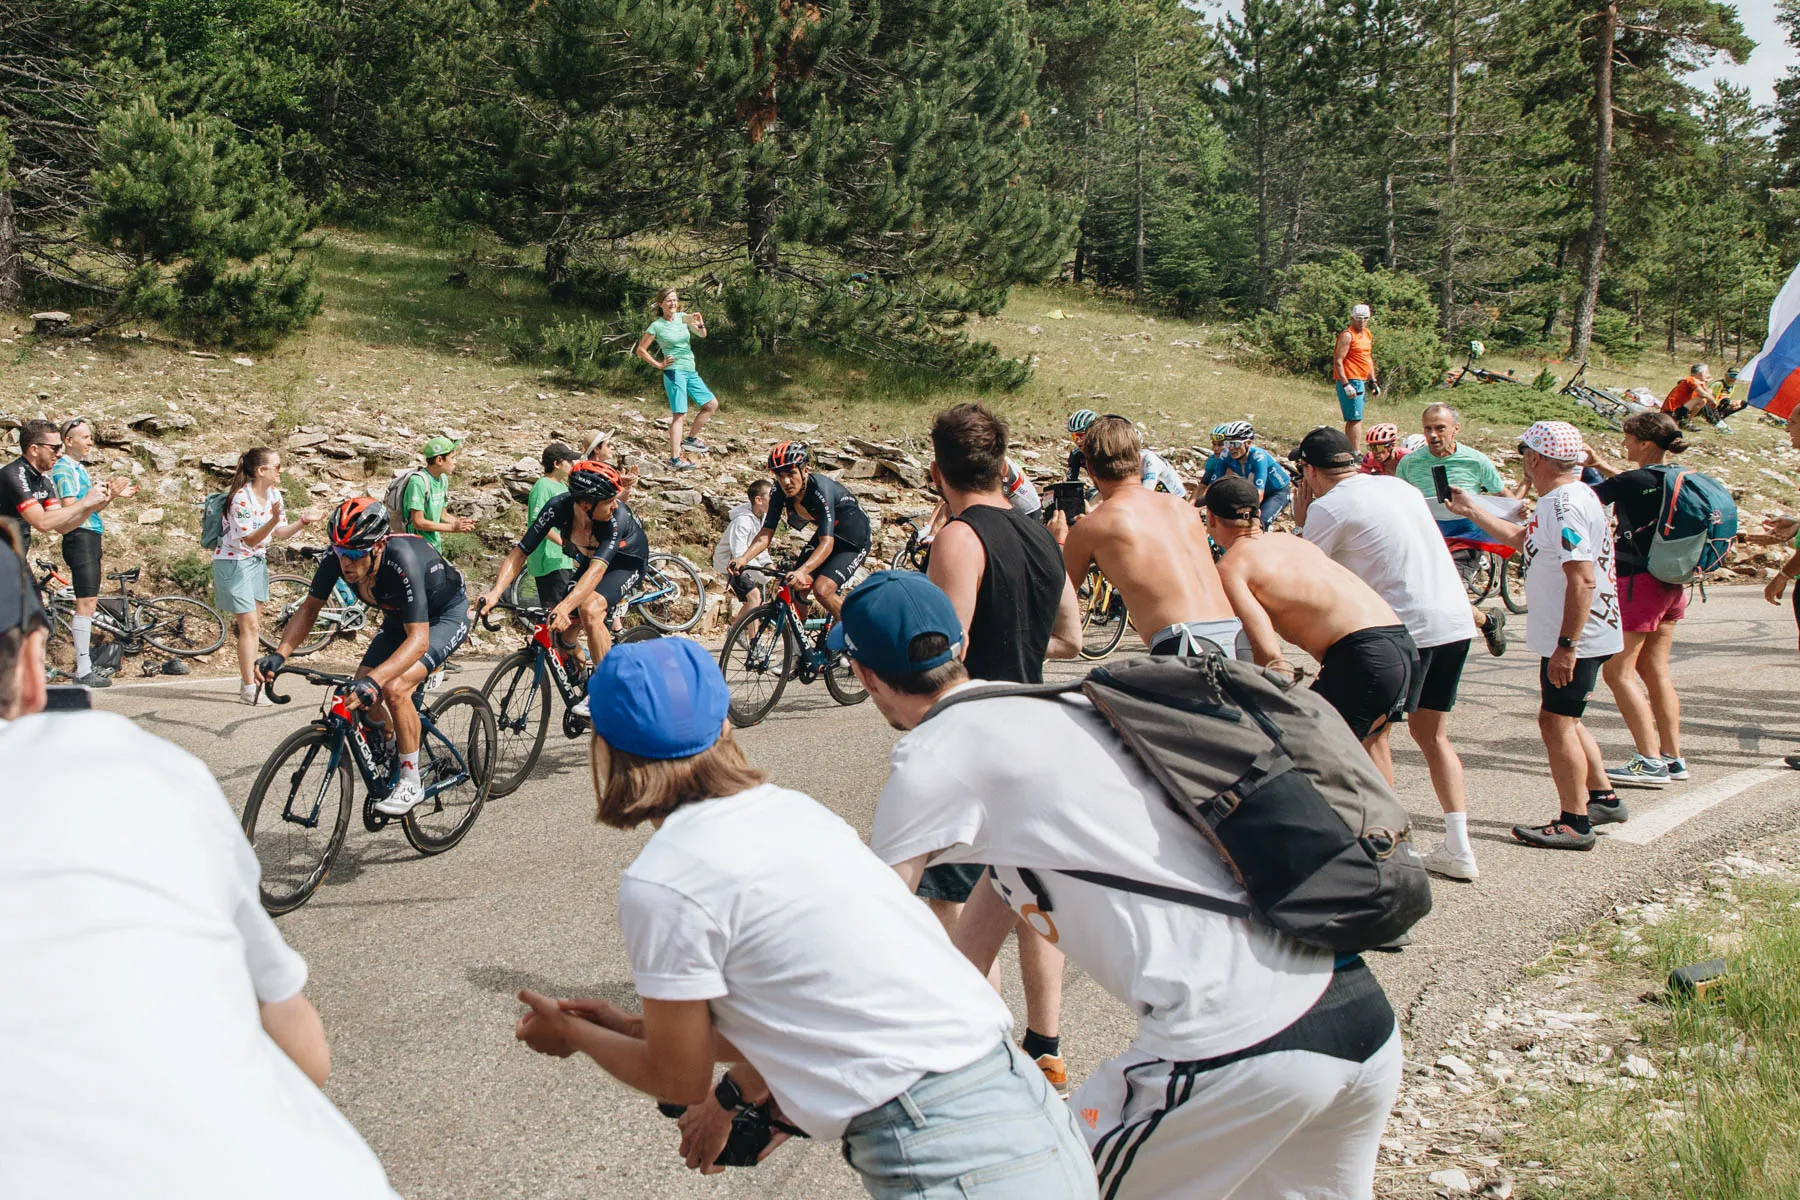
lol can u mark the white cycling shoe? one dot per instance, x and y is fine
(407, 795)
(581, 710)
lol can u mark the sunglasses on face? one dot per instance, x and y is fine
(351, 555)
(52, 445)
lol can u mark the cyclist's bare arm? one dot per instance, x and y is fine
(1338, 353)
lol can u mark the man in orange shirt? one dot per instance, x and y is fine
(1690, 394)
(1353, 369)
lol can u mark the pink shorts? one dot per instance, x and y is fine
(1646, 602)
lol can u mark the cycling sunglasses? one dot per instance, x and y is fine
(352, 555)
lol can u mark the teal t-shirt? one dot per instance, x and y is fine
(675, 342)
(70, 479)
(1467, 468)
(548, 556)
(429, 494)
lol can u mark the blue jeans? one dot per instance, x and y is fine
(1274, 503)
(993, 1130)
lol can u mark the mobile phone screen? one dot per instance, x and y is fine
(63, 698)
(1440, 479)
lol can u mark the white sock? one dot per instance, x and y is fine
(1456, 834)
(409, 766)
(82, 630)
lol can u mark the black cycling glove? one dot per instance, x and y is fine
(268, 664)
(366, 691)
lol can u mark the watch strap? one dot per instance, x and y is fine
(727, 1093)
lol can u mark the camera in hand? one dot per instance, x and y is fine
(752, 1129)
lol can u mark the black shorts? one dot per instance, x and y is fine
(552, 586)
(448, 632)
(622, 575)
(1367, 676)
(81, 550)
(748, 580)
(1439, 674)
(1571, 699)
(950, 881)
(841, 565)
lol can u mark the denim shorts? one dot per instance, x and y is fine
(1351, 394)
(681, 385)
(993, 1130)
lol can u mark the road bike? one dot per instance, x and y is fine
(915, 555)
(671, 597)
(1496, 573)
(344, 614)
(1103, 615)
(775, 642)
(518, 690)
(299, 808)
(178, 625)
(1608, 405)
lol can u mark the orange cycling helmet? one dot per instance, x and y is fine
(594, 481)
(1382, 435)
(358, 524)
(788, 454)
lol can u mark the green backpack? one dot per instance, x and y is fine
(212, 520)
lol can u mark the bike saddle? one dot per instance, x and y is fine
(130, 576)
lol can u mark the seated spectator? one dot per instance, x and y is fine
(154, 1036)
(763, 933)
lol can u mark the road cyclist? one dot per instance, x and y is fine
(1242, 456)
(1384, 450)
(1154, 471)
(841, 532)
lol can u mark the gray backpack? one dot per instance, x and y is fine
(1273, 779)
(394, 499)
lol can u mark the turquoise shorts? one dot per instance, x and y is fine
(1351, 395)
(240, 584)
(682, 386)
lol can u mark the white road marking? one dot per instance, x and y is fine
(1643, 829)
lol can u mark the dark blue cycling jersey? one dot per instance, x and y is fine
(413, 585)
(833, 510)
(616, 540)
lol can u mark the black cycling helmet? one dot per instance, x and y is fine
(358, 524)
(788, 454)
(593, 481)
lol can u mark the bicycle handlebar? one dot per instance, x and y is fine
(322, 678)
(536, 616)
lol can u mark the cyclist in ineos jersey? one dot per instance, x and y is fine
(425, 620)
(606, 541)
(840, 539)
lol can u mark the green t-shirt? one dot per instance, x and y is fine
(1467, 468)
(673, 339)
(429, 494)
(548, 556)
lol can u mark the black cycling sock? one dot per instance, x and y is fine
(1579, 823)
(1608, 796)
(1036, 1045)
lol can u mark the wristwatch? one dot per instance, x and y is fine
(1565, 643)
(727, 1094)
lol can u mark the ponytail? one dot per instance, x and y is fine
(249, 463)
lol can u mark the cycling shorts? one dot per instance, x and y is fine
(552, 586)
(841, 565)
(81, 550)
(622, 575)
(448, 631)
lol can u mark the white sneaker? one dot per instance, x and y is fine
(581, 710)
(1452, 866)
(247, 693)
(407, 795)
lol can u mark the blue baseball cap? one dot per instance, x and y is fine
(883, 615)
(662, 698)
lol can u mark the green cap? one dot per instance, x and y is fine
(439, 445)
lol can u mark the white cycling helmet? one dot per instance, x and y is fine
(1414, 441)
(1237, 431)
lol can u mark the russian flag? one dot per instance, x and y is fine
(1775, 373)
(1464, 534)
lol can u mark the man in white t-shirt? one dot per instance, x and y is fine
(762, 932)
(1258, 1069)
(154, 1040)
(743, 524)
(1380, 528)
(1572, 626)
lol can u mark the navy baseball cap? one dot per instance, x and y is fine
(20, 606)
(662, 698)
(885, 613)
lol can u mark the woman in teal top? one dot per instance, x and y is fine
(673, 331)
(81, 545)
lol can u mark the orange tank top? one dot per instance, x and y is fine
(1359, 360)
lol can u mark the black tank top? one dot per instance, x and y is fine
(1015, 607)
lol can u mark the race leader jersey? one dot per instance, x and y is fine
(22, 488)
(833, 510)
(412, 586)
(619, 539)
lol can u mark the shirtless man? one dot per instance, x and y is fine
(1152, 547)
(1286, 588)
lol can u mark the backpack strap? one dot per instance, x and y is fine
(1225, 908)
(1046, 691)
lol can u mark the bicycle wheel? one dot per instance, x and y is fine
(757, 661)
(180, 625)
(456, 765)
(1102, 618)
(842, 683)
(1487, 574)
(286, 594)
(296, 817)
(519, 694)
(680, 608)
(913, 556)
(1512, 584)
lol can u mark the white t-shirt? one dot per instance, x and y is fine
(133, 955)
(837, 984)
(1382, 530)
(1570, 525)
(246, 514)
(1047, 785)
(740, 528)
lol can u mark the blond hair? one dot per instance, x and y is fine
(639, 789)
(1112, 449)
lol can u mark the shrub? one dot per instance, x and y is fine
(461, 548)
(192, 573)
(1299, 334)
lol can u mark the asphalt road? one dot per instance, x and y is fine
(415, 961)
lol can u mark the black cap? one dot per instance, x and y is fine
(1326, 448)
(20, 607)
(1233, 498)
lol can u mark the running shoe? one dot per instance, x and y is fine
(94, 679)
(1055, 1073)
(1555, 836)
(681, 464)
(1677, 768)
(1494, 632)
(1452, 866)
(1602, 813)
(696, 445)
(1640, 772)
(407, 795)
